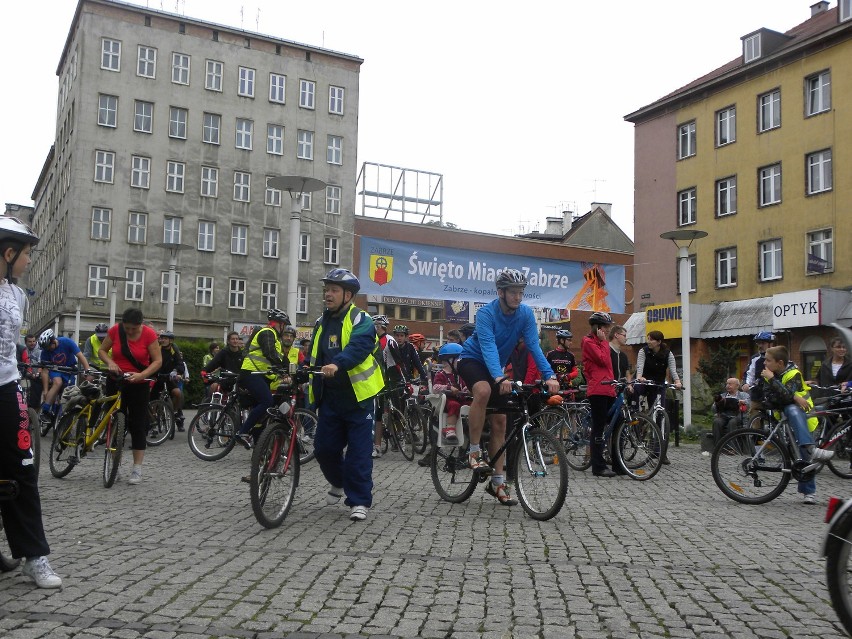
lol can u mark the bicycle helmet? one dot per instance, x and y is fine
(46, 338)
(277, 315)
(101, 329)
(554, 400)
(380, 320)
(11, 228)
(563, 334)
(449, 351)
(600, 318)
(343, 277)
(401, 328)
(416, 338)
(764, 336)
(167, 334)
(467, 330)
(90, 390)
(510, 277)
(290, 329)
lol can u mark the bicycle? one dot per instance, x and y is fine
(835, 430)
(161, 412)
(396, 426)
(657, 413)
(48, 420)
(634, 438)
(837, 551)
(571, 422)
(534, 460)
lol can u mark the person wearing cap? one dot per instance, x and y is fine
(173, 366)
(597, 369)
(22, 517)
(343, 342)
(755, 367)
(93, 345)
(562, 360)
(292, 353)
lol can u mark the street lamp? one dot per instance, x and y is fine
(683, 239)
(172, 248)
(114, 279)
(295, 186)
(77, 302)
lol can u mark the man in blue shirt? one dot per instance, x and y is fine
(499, 325)
(62, 351)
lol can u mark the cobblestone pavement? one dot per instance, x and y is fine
(181, 556)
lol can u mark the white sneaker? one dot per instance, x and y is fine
(821, 455)
(39, 570)
(334, 495)
(377, 452)
(135, 477)
(809, 499)
(359, 513)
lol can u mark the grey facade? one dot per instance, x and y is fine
(166, 131)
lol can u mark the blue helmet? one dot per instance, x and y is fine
(449, 351)
(343, 278)
(764, 336)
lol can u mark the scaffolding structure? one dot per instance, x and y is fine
(397, 193)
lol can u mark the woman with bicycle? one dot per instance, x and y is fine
(132, 348)
(22, 517)
(654, 361)
(597, 368)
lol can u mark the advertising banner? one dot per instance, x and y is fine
(435, 272)
(665, 318)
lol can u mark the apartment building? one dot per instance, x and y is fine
(167, 128)
(757, 154)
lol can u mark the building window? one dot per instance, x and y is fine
(204, 290)
(172, 230)
(211, 127)
(330, 251)
(334, 154)
(726, 196)
(164, 287)
(271, 239)
(726, 126)
(686, 207)
(236, 293)
(246, 88)
(239, 239)
(244, 133)
(268, 295)
(305, 146)
(104, 166)
(770, 184)
(275, 139)
(180, 68)
(332, 199)
(307, 199)
(140, 172)
(101, 219)
(686, 140)
(213, 77)
(726, 267)
(845, 9)
(98, 281)
(147, 62)
(335, 100)
(307, 90)
(769, 111)
(107, 110)
(143, 120)
(693, 273)
(301, 298)
(819, 172)
(206, 236)
(770, 260)
(242, 186)
(177, 122)
(818, 93)
(751, 48)
(273, 196)
(277, 85)
(134, 287)
(209, 181)
(137, 228)
(820, 247)
(110, 55)
(175, 172)
(304, 247)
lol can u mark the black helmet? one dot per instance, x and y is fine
(289, 329)
(343, 277)
(11, 228)
(277, 315)
(101, 329)
(510, 277)
(600, 318)
(401, 328)
(563, 334)
(467, 330)
(167, 334)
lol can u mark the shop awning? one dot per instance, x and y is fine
(635, 326)
(740, 317)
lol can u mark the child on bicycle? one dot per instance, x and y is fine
(784, 389)
(448, 381)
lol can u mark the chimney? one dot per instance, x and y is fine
(606, 207)
(819, 7)
(567, 221)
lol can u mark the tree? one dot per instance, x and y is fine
(719, 366)
(447, 225)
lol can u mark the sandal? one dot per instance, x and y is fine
(476, 463)
(501, 492)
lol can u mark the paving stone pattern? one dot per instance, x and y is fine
(180, 556)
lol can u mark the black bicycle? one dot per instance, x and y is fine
(837, 550)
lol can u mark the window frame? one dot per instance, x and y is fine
(236, 292)
(104, 164)
(304, 247)
(206, 181)
(211, 127)
(769, 108)
(301, 298)
(687, 204)
(307, 94)
(179, 70)
(102, 220)
(244, 183)
(178, 121)
(272, 196)
(140, 172)
(731, 266)
(274, 143)
(825, 245)
(134, 290)
(818, 168)
(97, 276)
(336, 102)
(751, 48)
(726, 193)
(331, 250)
(243, 134)
(110, 111)
(686, 140)
(150, 73)
(844, 10)
(818, 93)
(334, 150)
(271, 243)
(205, 236)
(175, 176)
(134, 228)
(268, 295)
(763, 178)
(204, 290)
(771, 250)
(245, 81)
(239, 239)
(164, 286)
(277, 86)
(726, 125)
(214, 72)
(143, 116)
(172, 229)
(333, 199)
(305, 145)
(111, 55)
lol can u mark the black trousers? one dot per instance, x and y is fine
(599, 405)
(22, 515)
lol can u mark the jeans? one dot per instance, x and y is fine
(799, 423)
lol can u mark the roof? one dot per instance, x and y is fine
(740, 317)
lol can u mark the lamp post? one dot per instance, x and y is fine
(683, 239)
(172, 248)
(77, 302)
(114, 280)
(295, 186)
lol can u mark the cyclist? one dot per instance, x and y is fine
(35, 390)
(262, 352)
(763, 340)
(343, 343)
(292, 353)
(388, 355)
(597, 368)
(60, 351)
(229, 358)
(653, 362)
(173, 364)
(22, 518)
(410, 355)
(562, 360)
(93, 345)
(499, 324)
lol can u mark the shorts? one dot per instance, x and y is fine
(67, 380)
(473, 371)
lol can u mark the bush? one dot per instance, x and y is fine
(193, 352)
(719, 366)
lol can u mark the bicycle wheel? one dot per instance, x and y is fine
(162, 423)
(749, 468)
(401, 433)
(63, 446)
(841, 463)
(212, 433)
(540, 472)
(274, 475)
(838, 567)
(639, 447)
(35, 438)
(115, 432)
(418, 419)
(452, 476)
(306, 420)
(573, 428)
(661, 419)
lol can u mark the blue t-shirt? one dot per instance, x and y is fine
(65, 353)
(497, 335)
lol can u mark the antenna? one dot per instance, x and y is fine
(595, 187)
(242, 8)
(257, 21)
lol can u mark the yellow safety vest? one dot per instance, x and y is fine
(254, 359)
(366, 377)
(293, 355)
(813, 422)
(96, 346)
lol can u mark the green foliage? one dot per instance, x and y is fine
(193, 352)
(721, 365)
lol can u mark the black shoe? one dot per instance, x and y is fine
(424, 461)
(666, 461)
(606, 472)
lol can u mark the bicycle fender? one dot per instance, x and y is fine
(844, 511)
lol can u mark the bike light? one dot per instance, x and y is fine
(833, 504)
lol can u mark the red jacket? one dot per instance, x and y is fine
(597, 366)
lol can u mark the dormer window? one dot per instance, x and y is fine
(845, 10)
(751, 48)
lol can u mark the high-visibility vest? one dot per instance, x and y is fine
(366, 377)
(96, 346)
(254, 359)
(293, 355)
(789, 374)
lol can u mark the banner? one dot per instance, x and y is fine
(457, 311)
(439, 273)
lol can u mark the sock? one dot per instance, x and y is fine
(497, 479)
(474, 448)
(137, 468)
(45, 407)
